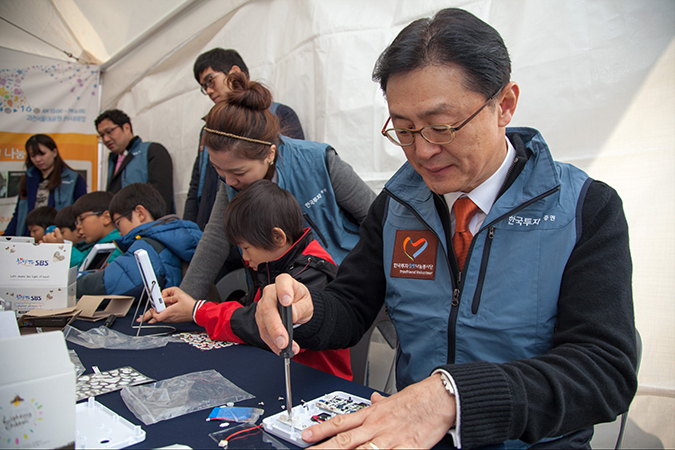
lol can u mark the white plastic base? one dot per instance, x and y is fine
(98, 427)
(311, 413)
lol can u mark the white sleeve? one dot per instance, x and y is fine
(454, 431)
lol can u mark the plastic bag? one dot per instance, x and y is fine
(166, 399)
(79, 367)
(103, 337)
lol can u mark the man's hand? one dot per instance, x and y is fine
(417, 417)
(55, 237)
(179, 306)
(290, 292)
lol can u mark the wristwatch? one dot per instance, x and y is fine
(447, 384)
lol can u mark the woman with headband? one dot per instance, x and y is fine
(244, 144)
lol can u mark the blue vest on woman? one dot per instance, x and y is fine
(505, 307)
(136, 170)
(302, 170)
(61, 196)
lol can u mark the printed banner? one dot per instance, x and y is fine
(45, 96)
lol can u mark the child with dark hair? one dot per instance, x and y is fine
(93, 221)
(66, 230)
(138, 212)
(38, 220)
(265, 221)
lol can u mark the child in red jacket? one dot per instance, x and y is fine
(265, 221)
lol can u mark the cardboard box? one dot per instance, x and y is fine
(36, 275)
(41, 320)
(37, 392)
(118, 305)
(86, 309)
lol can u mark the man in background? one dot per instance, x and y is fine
(133, 161)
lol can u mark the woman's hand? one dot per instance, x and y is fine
(179, 307)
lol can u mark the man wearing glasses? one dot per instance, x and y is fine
(133, 161)
(506, 274)
(211, 70)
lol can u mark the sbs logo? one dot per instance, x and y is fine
(28, 298)
(32, 262)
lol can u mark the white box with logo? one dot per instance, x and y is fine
(37, 392)
(36, 275)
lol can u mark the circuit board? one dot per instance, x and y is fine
(311, 413)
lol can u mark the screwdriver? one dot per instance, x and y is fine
(286, 313)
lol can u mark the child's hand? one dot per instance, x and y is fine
(179, 306)
(54, 237)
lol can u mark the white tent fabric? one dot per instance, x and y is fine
(597, 78)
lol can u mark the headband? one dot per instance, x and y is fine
(243, 138)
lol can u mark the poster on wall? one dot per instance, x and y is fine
(41, 95)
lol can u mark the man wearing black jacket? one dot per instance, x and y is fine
(506, 274)
(133, 161)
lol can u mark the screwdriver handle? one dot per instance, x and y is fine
(286, 313)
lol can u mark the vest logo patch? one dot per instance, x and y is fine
(414, 254)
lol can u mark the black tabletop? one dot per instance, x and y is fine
(257, 371)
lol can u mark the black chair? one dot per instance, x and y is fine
(624, 416)
(360, 353)
(233, 286)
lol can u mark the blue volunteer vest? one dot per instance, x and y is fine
(136, 170)
(506, 307)
(62, 196)
(301, 168)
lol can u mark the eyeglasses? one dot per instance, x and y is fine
(434, 134)
(209, 82)
(106, 132)
(81, 217)
(116, 222)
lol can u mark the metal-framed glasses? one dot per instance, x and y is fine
(209, 82)
(107, 132)
(434, 134)
(116, 222)
(81, 217)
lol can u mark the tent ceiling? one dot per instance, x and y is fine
(94, 30)
(124, 33)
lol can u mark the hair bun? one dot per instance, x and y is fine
(248, 94)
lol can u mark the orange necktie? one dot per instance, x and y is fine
(461, 241)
